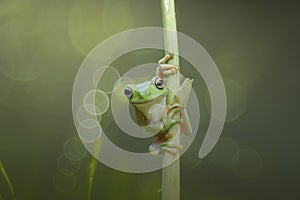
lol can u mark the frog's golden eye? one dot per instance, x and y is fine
(128, 92)
(159, 83)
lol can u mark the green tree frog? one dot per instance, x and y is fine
(149, 102)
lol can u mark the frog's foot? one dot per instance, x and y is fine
(171, 148)
(167, 69)
(173, 110)
(172, 145)
(155, 148)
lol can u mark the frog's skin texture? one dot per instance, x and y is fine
(149, 102)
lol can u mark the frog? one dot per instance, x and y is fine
(149, 100)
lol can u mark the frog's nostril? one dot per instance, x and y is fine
(144, 93)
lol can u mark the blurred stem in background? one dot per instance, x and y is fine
(93, 165)
(171, 174)
(12, 191)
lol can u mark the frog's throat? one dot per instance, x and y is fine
(145, 102)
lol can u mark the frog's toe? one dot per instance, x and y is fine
(155, 148)
(176, 121)
(172, 145)
(173, 111)
(170, 150)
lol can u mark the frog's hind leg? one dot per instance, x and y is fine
(168, 145)
(171, 119)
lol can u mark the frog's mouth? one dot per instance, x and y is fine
(157, 99)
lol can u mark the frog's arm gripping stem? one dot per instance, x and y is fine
(165, 59)
(166, 69)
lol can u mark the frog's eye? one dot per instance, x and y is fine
(128, 92)
(159, 83)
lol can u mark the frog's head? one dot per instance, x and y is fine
(146, 92)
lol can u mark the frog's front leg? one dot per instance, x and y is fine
(166, 69)
(166, 58)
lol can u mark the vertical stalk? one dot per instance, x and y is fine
(171, 174)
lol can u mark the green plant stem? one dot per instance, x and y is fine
(171, 174)
(8, 182)
(93, 166)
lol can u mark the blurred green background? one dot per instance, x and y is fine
(255, 45)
